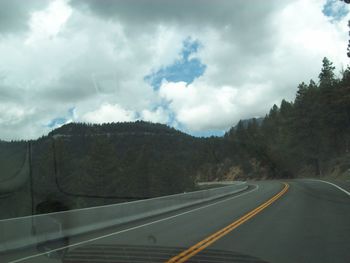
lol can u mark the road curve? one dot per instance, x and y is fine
(308, 223)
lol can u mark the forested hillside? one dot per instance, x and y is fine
(81, 165)
(306, 137)
(125, 160)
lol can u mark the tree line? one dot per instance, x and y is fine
(304, 136)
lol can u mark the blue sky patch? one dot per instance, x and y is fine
(335, 9)
(185, 69)
(59, 121)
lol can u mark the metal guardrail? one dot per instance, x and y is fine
(31, 230)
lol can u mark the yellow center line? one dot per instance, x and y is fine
(195, 249)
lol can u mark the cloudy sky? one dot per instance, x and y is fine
(196, 65)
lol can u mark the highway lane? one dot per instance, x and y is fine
(309, 223)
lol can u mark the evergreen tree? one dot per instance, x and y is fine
(327, 76)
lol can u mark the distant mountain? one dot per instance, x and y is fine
(82, 165)
(122, 128)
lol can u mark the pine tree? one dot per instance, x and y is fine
(327, 76)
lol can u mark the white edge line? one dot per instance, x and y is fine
(337, 186)
(133, 228)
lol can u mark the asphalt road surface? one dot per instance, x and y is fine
(300, 221)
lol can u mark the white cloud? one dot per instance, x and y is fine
(48, 22)
(159, 115)
(95, 59)
(109, 113)
(10, 114)
(202, 107)
(256, 81)
(14, 15)
(312, 34)
(115, 113)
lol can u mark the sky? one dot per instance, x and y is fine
(196, 65)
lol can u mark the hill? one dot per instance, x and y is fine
(82, 165)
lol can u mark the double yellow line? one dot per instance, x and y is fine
(190, 252)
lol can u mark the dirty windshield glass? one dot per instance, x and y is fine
(175, 131)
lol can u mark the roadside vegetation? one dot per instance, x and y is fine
(309, 136)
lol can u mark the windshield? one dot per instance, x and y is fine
(174, 131)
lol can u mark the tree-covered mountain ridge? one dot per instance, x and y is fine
(119, 128)
(81, 165)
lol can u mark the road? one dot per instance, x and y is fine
(308, 222)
